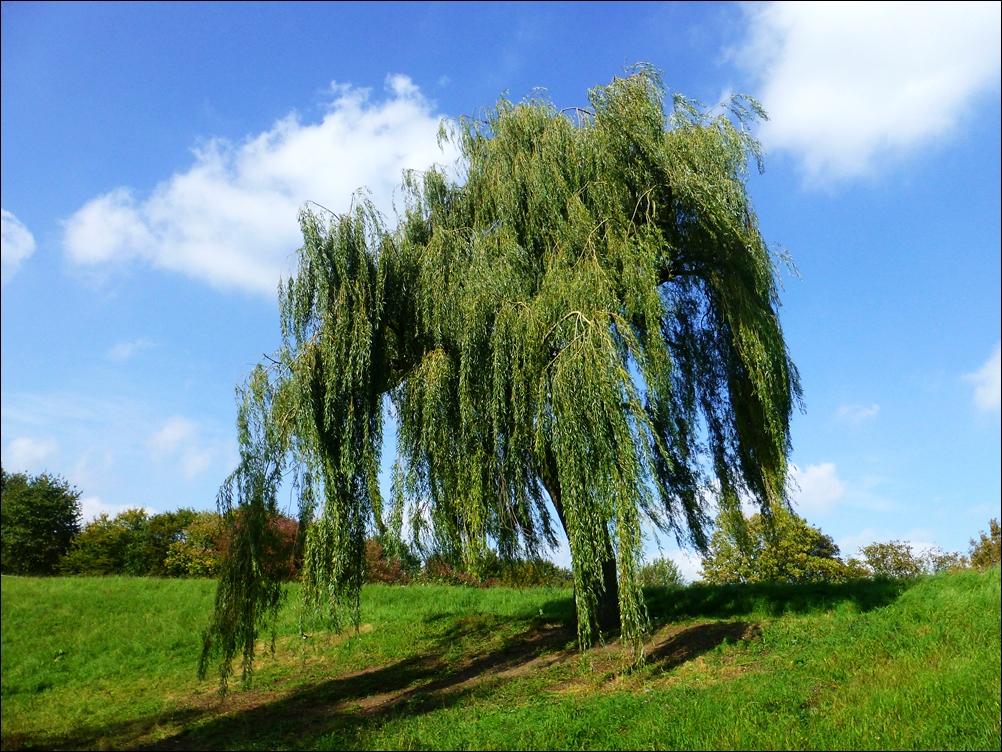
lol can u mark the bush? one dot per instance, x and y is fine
(783, 548)
(382, 567)
(390, 563)
(148, 555)
(39, 516)
(524, 573)
(201, 546)
(986, 552)
(107, 546)
(198, 550)
(893, 559)
(937, 561)
(661, 572)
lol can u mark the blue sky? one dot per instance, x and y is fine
(154, 157)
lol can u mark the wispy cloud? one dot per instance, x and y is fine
(847, 84)
(856, 414)
(124, 350)
(92, 507)
(179, 439)
(27, 454)
(818, 489)
(16, 244)
(987, 382)
(231, 218)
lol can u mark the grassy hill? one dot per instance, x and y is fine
(110, 663)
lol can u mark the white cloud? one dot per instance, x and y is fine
(818, 487)
(848, 83)
(689, 563)
(231, 219)
(92, 507)
(856, 414)
(987, 382)
(124, 350)
(16, 244)
(179, 439)
(849, 546)
(25, 454)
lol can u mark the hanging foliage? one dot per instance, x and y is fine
(585, 320)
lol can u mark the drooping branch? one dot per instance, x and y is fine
(589, 318)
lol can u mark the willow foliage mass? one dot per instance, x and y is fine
(588, 314)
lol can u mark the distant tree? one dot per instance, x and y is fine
(148, 555)
(110, 546)
(201, 547)
(661, 572)
(586, 316)
(986, 552)
(894, 559)
(937, 561)
(39, 516)
(198, 549)
(781, 547)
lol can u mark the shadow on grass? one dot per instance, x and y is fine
(768, 598)
(341, 712)
(692, 642)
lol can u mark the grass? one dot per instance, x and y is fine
(109, 663)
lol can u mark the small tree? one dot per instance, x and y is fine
(148, 555)
(110, 546)
(198, 550)
(661, 572)
(937, 561)
(778, 548)
(986, 552)
(894, 559)
(39, 516)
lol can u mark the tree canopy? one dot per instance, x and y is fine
(580, 316)
(782, 547)
(39, 516)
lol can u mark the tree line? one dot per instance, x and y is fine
(42, 534)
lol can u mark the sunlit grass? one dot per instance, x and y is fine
(109, 663)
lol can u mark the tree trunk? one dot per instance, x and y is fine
(607, 596)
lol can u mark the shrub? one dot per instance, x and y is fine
(937, 561)
(383, 568)
(285, 558)
(523, 573)
(437, 570)
(108, 546)
(893, 559)
(781, 548)
(148, 554)
(202, 545)
(197, 551)
(39, 516)
(986, 552)
(661, 572)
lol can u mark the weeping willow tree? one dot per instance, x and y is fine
(581, 321)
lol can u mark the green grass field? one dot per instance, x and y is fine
(110, 663)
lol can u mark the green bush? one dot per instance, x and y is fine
(148, 555)
(394, 564)
(39, 516)
(198, 550)
(937, 561)
(781, 548)
(893, 559)
(661, 572)
(107, 545)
